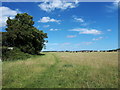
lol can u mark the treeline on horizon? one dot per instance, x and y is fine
(113, 50)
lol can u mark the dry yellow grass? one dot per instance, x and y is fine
(63, 70)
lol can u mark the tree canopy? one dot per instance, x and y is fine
(22, 34)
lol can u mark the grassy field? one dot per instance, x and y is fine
(63, 70)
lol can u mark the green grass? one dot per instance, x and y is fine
(63, 70)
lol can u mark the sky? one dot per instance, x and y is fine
(70, 25)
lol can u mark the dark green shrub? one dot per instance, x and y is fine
(15, 54)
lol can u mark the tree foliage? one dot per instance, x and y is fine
(22, 34)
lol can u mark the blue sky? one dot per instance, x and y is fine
(71, 25)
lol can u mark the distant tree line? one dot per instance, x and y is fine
(114, 50)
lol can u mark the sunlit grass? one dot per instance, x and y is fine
(63, 70)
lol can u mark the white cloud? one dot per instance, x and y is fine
(48, 19)
(99, 38)
(79, 19)
(6, 12)
(87, 31)
(54, 29)
(51, 5)
(45, 26)
(71, 36)
(109, 30)
(116, 2)
(113, 7)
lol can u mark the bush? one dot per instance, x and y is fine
(15, 54)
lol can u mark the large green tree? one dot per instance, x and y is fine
(22, 34)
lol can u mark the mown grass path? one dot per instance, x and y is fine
(47, 76)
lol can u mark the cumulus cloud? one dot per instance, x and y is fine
(87, 31)
(51, 5)
(99, 38)
(48, 19)
(54, 29)
(6, 12)
(71, 36)
(79, 19)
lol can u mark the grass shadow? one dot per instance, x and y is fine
(41, 54)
